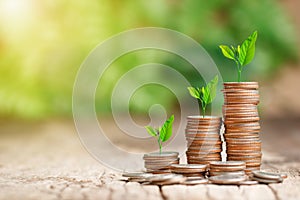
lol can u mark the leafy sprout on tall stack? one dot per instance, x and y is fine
(242, 54)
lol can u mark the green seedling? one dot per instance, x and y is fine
(162, 134)
(205, 94)
(242, 54)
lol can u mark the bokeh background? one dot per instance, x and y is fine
(43, 43)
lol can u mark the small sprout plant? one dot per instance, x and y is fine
(162, 134)
(205, 94)
(242, 54)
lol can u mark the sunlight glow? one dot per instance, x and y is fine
(15, 10)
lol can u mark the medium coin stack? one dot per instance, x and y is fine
(241, 123)
(190, 170)
(160, 163)
(203, 139)
(266, 177)
(230, 168)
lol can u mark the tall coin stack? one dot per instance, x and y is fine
(160, 163)
(203, 139)
(241, 122)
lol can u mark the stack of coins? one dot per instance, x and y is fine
(266, 177)
(203, 139)
(160, 163)
(232, 168)
(241, 122)
(190, 170)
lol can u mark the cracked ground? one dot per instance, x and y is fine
(47, 161)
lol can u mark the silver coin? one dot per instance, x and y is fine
(174, 180)
(162, 177)
(267, 175)
(139, 180)
(227, 163)
(189, 166)
(267, 181)
(227, 179)
(234, 173)
(136, 174)
(249, 182)
(162, 154)
(195, 181)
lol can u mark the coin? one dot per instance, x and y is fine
(266, 175)
(267, 181)
(227, 169)
(283, 175)
(226, 163)
(248, 182)
(227, 179)
(188, 168)
(241, 85)
(159, 171)
(166, 178)
(218, 173)
(136, 174)
(195, 181)
(203, 135)
(139, 180)
(162, 155)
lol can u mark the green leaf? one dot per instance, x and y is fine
(212, 88)
(227, 52)
(151, 131)
(205, 95)
(208, 93)
(247, 49)
(194, 92)
(166, 129)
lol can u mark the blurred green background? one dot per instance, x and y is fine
(44, 42)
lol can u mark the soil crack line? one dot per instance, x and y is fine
(274, 192)
(161, 193)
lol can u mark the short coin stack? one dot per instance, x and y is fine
(266, 177)
(159, 163)
(241, 122)
(233, 168)
(203, 139)
(190, 170)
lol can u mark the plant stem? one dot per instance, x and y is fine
(203, 111)
(159, 144)
(239, 75)
(239, 68)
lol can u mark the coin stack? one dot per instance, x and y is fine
(160, 163)
(241, 123)
(203, 139)
(190, 170)
(232, 168)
